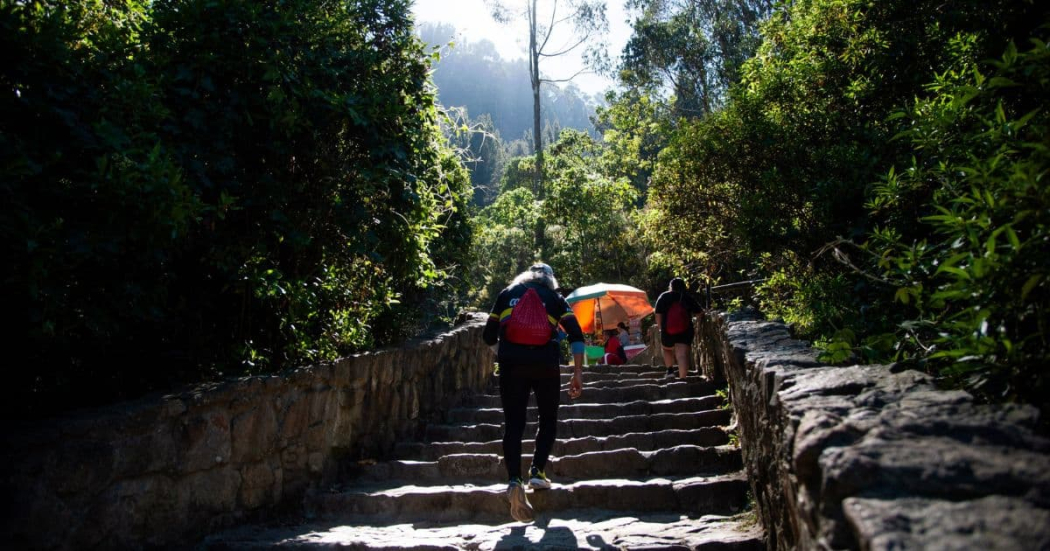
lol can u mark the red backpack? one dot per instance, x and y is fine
(529, 323)
(677, 319)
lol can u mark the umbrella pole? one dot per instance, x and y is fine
(600, 318)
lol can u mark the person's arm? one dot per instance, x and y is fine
(697, 311)
(659, 311)
(575, 335)
(491, 333)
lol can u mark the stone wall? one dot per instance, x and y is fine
(162, 471)
(872, 457)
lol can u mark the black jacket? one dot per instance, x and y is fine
(512, 355)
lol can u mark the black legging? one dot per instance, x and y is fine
(514, 393)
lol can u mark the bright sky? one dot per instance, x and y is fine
(473, 20)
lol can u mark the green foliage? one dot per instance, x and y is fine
(519, 172)
(202, 187)
(812, 301)
(693, 47)
(972, 275)
(506, 243)
(690, 226)
(588, 216)
(727, 402)
(948, 248)
(587, 221)
(786, 164)
(481, 150)
(634, 129)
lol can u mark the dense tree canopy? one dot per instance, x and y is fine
(886, 178)
(587, 217)
(201, 187)
(693, 48)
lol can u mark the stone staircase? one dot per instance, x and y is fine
(641, 461)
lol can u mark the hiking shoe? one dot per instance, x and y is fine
(538, 480)
(519, 504)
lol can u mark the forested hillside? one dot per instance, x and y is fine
(472, 75)
(490, 101)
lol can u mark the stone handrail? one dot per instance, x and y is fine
(873, 457)
(162, 471)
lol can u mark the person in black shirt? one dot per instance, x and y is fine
(532, 368)
(676, 345)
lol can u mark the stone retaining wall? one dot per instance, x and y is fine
(162, 471)
(871, 457)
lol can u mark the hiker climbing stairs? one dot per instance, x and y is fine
(640, 461)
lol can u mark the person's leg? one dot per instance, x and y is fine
(548, 396)
(681, 351)
(514, 395)
(668, 356)
(667, 347)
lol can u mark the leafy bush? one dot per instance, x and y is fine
(787, 164)
(219, 187)
(948, 248)
(974, 273)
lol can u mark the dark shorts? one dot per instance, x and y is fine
(668, 341)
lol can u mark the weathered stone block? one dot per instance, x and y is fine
(203, 440)
(295, 416)
(993, 522)
(131, 507)
(258, 485)
(254, 434)
(467, 465)
(875, 457)
(209, 492)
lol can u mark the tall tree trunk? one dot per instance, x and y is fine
(537, 134)
(534, 75)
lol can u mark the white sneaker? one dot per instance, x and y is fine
(538, 480)
(519, 504)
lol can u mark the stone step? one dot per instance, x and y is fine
(678, 461)
(607, 380)
(570, 529)
(603, 376)
(626, 368)
(592, 411)
(579, 428)
(652, 392)
(717, 495)
(633, 380)
(642, 441)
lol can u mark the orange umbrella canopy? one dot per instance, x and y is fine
(609, 302)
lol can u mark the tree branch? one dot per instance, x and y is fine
(555, 81)
(844, 259)
(550, 27)
(567, 50)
